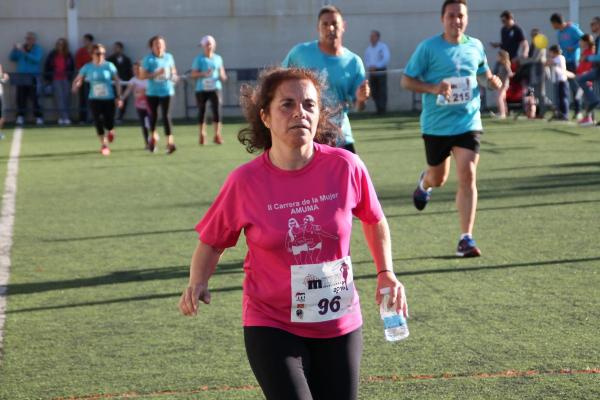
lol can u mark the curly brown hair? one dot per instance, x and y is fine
(253, 99)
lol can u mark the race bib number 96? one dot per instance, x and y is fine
(322, 292)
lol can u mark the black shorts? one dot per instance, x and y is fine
(292, 367)
(438, 148)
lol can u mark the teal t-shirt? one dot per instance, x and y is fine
(161, 86)
(100, 78)
(343, 75)
(203, 64)
(434, 60)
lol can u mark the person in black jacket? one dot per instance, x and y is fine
(58, 71)
(125, 72)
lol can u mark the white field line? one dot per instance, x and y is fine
(7, 220)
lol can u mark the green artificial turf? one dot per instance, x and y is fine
(102, 248)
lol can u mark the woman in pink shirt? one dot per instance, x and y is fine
(301, 312)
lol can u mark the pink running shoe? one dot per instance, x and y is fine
(111, 136)
(105, 150)
(587, 121)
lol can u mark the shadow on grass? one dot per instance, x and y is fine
(143, 275)
(118, 235)
(358, 277)
(585, 164)
(69, 154)
(481, 209)
(500, 188)
(485, 267)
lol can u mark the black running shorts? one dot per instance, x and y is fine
(438, 148)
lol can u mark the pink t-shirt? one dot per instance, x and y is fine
(292, 218)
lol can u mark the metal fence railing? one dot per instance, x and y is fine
(186, 86)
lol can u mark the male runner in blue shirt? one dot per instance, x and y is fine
(342, 69)
(446, 69)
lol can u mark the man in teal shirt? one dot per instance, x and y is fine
(342, 69)
(446, 69)
(28, 57)
(568, 35)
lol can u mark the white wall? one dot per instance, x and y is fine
(256, 33)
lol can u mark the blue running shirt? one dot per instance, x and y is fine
(161, 86)
(434, 60)
(100, 78)
(343, 75)
(569, 38)
(203, 64)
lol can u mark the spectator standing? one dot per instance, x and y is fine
(503, 71)
(512, 37)
(82, 57)
(28, 57)
(569, 35)
(377, 58)
(125, 72)
(535, 62)
(559, 64)
(3, 80)
(592, 75)
(58, 70)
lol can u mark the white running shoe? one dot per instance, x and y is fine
(20, 120)
(39, 121)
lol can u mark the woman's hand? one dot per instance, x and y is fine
(397, 293)
(188, 303)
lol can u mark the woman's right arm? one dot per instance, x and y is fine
(418, 86)
(203, 265)
(77, 83)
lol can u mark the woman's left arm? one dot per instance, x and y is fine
(380, 244)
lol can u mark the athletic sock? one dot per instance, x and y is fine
(464, 235)
(421, 185)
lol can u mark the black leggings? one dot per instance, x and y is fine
(103, 112)
(165, 106)
(202, 98)
(144, 117)
(292, 367)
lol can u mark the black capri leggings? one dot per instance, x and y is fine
(215, 101)
(165, 106)
(292, 367)
(103, 112)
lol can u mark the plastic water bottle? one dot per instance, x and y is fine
(394, 324)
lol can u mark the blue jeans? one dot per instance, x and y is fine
(562, 97)
(571, 66)
(62, 96)
(588, 92)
